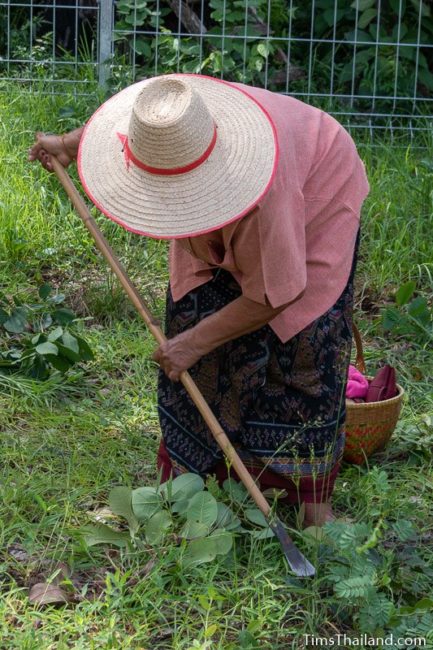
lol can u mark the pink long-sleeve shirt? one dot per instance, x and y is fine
(297, 245)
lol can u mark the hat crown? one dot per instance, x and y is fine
(170, 124)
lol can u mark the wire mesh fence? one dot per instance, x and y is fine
(48, 42)
(368, 62)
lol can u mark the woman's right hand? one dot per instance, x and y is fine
(65, 148)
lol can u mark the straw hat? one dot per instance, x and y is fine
(178, 155)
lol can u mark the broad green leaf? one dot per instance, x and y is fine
(16, 323)
(405, 293)
(330, 16)
(362, 5)
(391, 317)
(47, 348)
(157, 527)
(223, 541)
(3, 316)
(67, 352)
(236, 491)
(366, 17)
(145, 502)
(142, 47)
(39, 368)
(58, 298)
(264, 49)
(85, 352)
(424, 604)
(419, 309)
(398, 6)
(46, 321)
(358, 35)
(70, 342)
(102, 534)
(120, 502)
(60, 363)
(55, 334)
(180, 507)
(263, 533)
(226, 517)
(256, 517)
(63, 316)
(426, 78)
(193, 529)
(425, 9)
(203, 508)
(200, 551)
(44, 291)
(258, 64)
(183, 487)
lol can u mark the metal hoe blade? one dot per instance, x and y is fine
(297, 562)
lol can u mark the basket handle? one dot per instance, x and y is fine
(360, 361)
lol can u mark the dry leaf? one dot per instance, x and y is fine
(148, 567)
(45, 594)
(18, 553)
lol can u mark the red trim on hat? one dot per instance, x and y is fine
(244, 212)
(164, 171)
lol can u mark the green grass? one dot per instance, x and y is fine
(64, 445)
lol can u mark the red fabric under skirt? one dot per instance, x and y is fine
(306, 489)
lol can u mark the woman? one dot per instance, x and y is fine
(261, 196)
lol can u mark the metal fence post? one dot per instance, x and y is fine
(105, 42)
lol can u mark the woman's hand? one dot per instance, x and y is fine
(239, 317)
(65, 148)
(178, 354)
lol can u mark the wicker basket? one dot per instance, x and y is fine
(369, 426)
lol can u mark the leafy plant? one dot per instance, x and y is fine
(356, 49)
(370, 565)
(39, 337)
(181, 512)
(411, 317)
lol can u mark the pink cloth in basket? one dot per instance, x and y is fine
(357, 384)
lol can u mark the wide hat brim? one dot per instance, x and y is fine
(225, 187)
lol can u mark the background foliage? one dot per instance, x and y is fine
(342, 49)
(322, 55)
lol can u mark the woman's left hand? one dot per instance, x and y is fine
(177, 354)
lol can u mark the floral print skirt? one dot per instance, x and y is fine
(281, 404)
